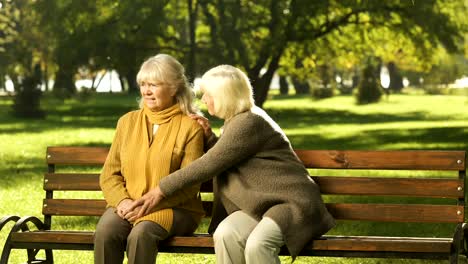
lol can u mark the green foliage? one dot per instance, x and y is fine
(449, 67)
(322, 92)
(261, 37)
(435, 90)
(345, 89)
(369, 90)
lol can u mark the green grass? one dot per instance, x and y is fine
(401, 122)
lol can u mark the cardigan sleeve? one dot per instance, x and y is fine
(240, 141)
(111, 180)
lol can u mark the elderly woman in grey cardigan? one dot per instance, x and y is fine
(264, 196)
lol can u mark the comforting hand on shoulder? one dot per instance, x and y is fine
(204, 123)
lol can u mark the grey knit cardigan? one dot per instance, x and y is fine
(256, 170)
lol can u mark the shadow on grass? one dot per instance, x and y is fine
(300, 118)
(101, 112)
(449, 138)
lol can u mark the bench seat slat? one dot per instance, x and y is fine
(417, 213)
(395, 244)
(339, 243)
(415, 187)
(397, 160)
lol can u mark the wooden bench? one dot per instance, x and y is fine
(356, 196)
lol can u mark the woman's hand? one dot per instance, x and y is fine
(123, 206)
(132, 215)
(146, 203)
(204, 123)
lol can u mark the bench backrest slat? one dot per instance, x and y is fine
(320, 159)
(86, 182)
(87, 207)
(383, 160)
(71, 182)
(436, 188)
(76, 155)
(82, 207)
(374, 212)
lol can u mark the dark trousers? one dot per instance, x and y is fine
(114, 235)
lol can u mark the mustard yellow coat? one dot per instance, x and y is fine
(138, 161)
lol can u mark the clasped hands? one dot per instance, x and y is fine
(132, 210)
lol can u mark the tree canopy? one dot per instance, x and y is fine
(262, 37)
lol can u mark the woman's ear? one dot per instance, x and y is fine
(173, 91)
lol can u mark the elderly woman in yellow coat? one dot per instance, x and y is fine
(149, 144)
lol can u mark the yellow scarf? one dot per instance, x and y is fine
(163, 116)
(151, 161)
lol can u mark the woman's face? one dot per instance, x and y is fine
(157, 96)
(209, 102)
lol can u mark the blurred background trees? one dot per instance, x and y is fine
(317, 47)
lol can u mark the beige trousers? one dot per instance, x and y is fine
(114, 235)
(241, 239)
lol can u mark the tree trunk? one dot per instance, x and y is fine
(46, 77)
(132, 82)
(2, 82)
(64, 86)
(122, 83)
(396, 80)
(284, 86)
(261, 84)
(301, 87)
(191, 66)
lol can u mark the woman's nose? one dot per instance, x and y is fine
(146, 90)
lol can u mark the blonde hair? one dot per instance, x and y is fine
(230, 88)
(166, 69)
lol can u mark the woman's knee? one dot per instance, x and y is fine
(103, 234)
(110, 228)
(147, 231)
(224, 231)
(254, 245)
(266, 237)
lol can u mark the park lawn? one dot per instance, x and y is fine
(399, 122)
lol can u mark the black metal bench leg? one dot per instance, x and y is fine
(21, 225)
(49, 256)
(7, 247)
(6, 253)
(457, 246)
(32, 253)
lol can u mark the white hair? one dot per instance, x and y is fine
(230, 88)
(166, 69)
